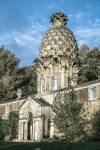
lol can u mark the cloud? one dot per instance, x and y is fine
(52, 6)
(25, 37)
(86, 28)
(75, 16)
(79, 15)
(80, 18)
(25, 43)
(90, 36)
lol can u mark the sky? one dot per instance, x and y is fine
(24, 22)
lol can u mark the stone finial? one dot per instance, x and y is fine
(58, 19)
(19, 93)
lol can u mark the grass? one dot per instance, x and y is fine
(49, 146)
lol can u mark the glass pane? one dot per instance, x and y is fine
(93, 93)
(42, 86)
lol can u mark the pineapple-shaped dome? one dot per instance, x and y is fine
(58, 40)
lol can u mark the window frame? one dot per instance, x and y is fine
(91, 93)
(56, 79)
(7, 109)
(42, 85)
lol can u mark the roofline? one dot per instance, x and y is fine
(88, 83)
(36, 100)
(9, 102)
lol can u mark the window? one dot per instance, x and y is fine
(7, 109)
(42, 85)
(55, 82)
(92, 93)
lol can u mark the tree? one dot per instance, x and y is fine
(9, 127)
(4, 129)
(13, 124)
(27, 80)
(83, 50)
(8, 69)
(69, 116)
(12, 77)
(96, 126)
(91, 66)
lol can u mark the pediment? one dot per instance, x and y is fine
(30, 106)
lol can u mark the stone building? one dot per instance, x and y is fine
(57, 66)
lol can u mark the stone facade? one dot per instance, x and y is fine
(89, 93)
(35, 113)
(33, 120)
(6, 108)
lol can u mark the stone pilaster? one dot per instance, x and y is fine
(63, 78)
(25, 130)
(19, 131)
(38, 84)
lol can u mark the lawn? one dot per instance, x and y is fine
(49, 146)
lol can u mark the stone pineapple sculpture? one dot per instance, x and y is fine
(58, 51)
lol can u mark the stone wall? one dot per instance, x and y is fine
(6, 108)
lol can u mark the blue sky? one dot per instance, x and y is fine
(24, 22)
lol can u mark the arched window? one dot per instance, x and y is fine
(42, 85)
(56, 82)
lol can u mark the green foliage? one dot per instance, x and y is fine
(90, 66)
(8, 71)
(58, 16)
(96, 126)
(83, 50)
(58, 145)
(12, 77)
(4, 129)
(9, 127)
(69, 116)
(13, 123)
(27, 80)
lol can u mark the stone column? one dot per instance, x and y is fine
(31, 131)
(20, 131)
(46, 126)
(51, 129)
(47, 83)
(40, 132)
(25, 130)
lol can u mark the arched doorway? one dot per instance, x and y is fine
(30, 126)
